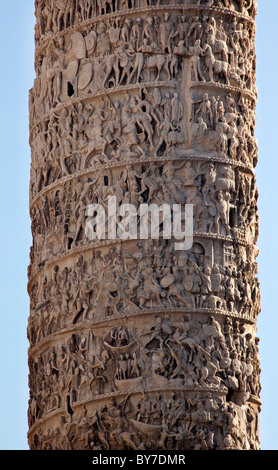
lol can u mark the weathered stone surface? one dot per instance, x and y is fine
(134, 345)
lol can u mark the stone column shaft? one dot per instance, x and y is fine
(135, 344)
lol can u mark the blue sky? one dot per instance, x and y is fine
(16, 78)
(267, 177)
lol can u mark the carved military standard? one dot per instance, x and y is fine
(133, 343)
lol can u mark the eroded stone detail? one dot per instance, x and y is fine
(134, 345)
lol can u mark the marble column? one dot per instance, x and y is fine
(135, 344)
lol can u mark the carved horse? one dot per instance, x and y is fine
(215, 66)
(157, 62)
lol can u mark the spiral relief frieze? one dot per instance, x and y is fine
(135, 344)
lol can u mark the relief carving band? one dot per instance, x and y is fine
(144, 339)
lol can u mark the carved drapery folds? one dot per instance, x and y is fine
(134, 345)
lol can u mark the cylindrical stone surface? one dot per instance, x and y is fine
(135, 344)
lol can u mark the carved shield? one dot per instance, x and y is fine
(232, 383)
(78, 45)
(91, 42)
(167, 280)
(72, 69)
(166, 329)
(236, 365)
(85, 76)
(209, 330)
(157, 96)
